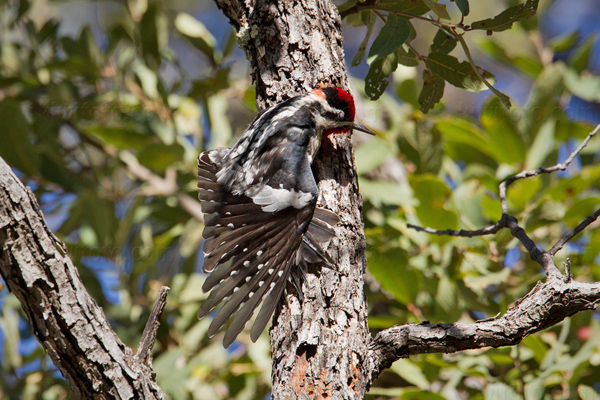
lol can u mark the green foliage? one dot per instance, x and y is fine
(105, 123)
(398, 30)
(470, 278)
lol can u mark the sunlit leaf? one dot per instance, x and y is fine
(587, 393)
(433, 195)
(198, 35)
(500, 390)
(508, 17)
(506, 143)
(586, 87)
(371, 155)
(390, 270)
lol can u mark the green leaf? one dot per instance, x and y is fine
(393, 34)
(443, 42)
(542, 146)
(9, 324)
(579, 60)
(376, 80)
(587, 393)
(410, 373)
(564, 42)
(522, 191)
(494, 391)
(380, 193)
(416, 7)
(586, 87)
(491, 208)
(463, 6)
(462, 131)
(548, 86)
(459, 74)
(372, 154)
(439, 9)
(432, 92)
(580, 210)
(127, 137)
(421, 395)
(446, 295)
(158, 156)
(391, 270)
(406, 57)
(148, 79)
(154, 34)
(197, 34)
(525, 63)
(422, 147)
(433, 195)
(508, 17)
(506, 144)
(407, 91)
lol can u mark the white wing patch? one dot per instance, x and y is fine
(272, 199)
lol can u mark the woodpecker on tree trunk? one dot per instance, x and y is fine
(262, 225)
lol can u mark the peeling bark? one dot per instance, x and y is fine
(71, 327)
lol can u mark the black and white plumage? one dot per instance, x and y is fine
(262, 224)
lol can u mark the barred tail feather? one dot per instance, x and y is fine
(251, 254)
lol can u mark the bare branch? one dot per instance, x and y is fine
(462, 233)
(558, 167)
(144, 351)
(559, 245)
(546, 305)
(543, 258)
(67, 322)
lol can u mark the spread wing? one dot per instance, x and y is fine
(257, 240)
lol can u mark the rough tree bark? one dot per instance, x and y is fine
(319, 346)
(67, 322)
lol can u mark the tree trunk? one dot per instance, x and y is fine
(64, 318)
(319, 346)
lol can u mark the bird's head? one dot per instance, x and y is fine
(338, 111)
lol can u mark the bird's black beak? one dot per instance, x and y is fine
(360, 127)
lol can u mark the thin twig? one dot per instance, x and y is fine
(372, 6)
(545, 259)
(503, 98)
(558, 167)
(462, 233)
(563, 240)
(144, 351)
